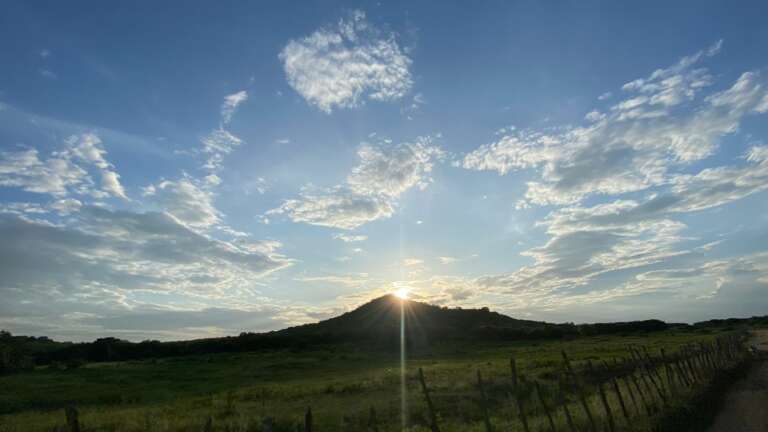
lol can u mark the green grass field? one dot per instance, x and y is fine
(239, 390)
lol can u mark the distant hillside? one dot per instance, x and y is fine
(379, 321)
(374, 325)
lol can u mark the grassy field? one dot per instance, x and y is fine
(239, 390)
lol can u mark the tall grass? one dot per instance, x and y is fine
(342, 391)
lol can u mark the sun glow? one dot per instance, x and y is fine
(402, 293)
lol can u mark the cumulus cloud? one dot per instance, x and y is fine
(185, 201)
(103, 259)
(574, 257)
(64, 172)
(385, 172)
(736, 284)
(662, 125)
(335, 208)
(587, 242)
(342, 65)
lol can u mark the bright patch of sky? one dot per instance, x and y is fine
(177, 172)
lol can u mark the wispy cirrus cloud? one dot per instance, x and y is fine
(350, 238)
(341, 66)
(231, 103)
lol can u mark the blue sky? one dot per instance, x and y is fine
(182, 170)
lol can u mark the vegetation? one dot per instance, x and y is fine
(260, 382)
(239, 391)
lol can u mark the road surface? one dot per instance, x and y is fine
(746, 404)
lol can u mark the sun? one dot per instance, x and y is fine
(401, 293)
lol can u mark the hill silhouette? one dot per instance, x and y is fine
(373, 325)
(379, 321)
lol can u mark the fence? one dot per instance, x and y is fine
(624, 394)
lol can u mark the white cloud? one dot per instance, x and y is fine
(385, 172)
(48, 74)
(217, 145)
(391, 170)
(185, 201)
(349, 238)
(64, 172)
(67, 206)
(231, 102)
(664, 125)
(25, 170)
(347, 280)
(336, 208)
(340, 66)
(101, 262)
(413, 262)
(587, 242)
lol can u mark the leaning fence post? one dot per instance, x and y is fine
(484, 400)
(668, 370)
(308, 420)
(607, 407)
(644, 367)
(516, 394)
(267, 424)
(373, 423)
(621, 399)
(544, 405)
(631, 393)
(582, 397)
(603, 399)
(432, 415)
(642, 396)
(73, 421)
(564, 403)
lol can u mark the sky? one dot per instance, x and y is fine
(179, 170)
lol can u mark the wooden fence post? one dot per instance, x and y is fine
(564, 403)
(432, 414)
(308, 420)
(544, 405)
(621, 399)
(606, 407)
(208, 427)
(645, 367)
(668, 371)
(631, 393)
(267, 424)
(604, 400)
(642, 396)
(484, 401)
(373, 423)
(73, 419)
(580, 389)
(516, 394)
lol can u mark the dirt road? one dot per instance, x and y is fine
(746, 405)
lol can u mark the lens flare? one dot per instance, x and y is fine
(403, 390)
(402, 293)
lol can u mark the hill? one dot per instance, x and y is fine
(379, 321)
(374, 325)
